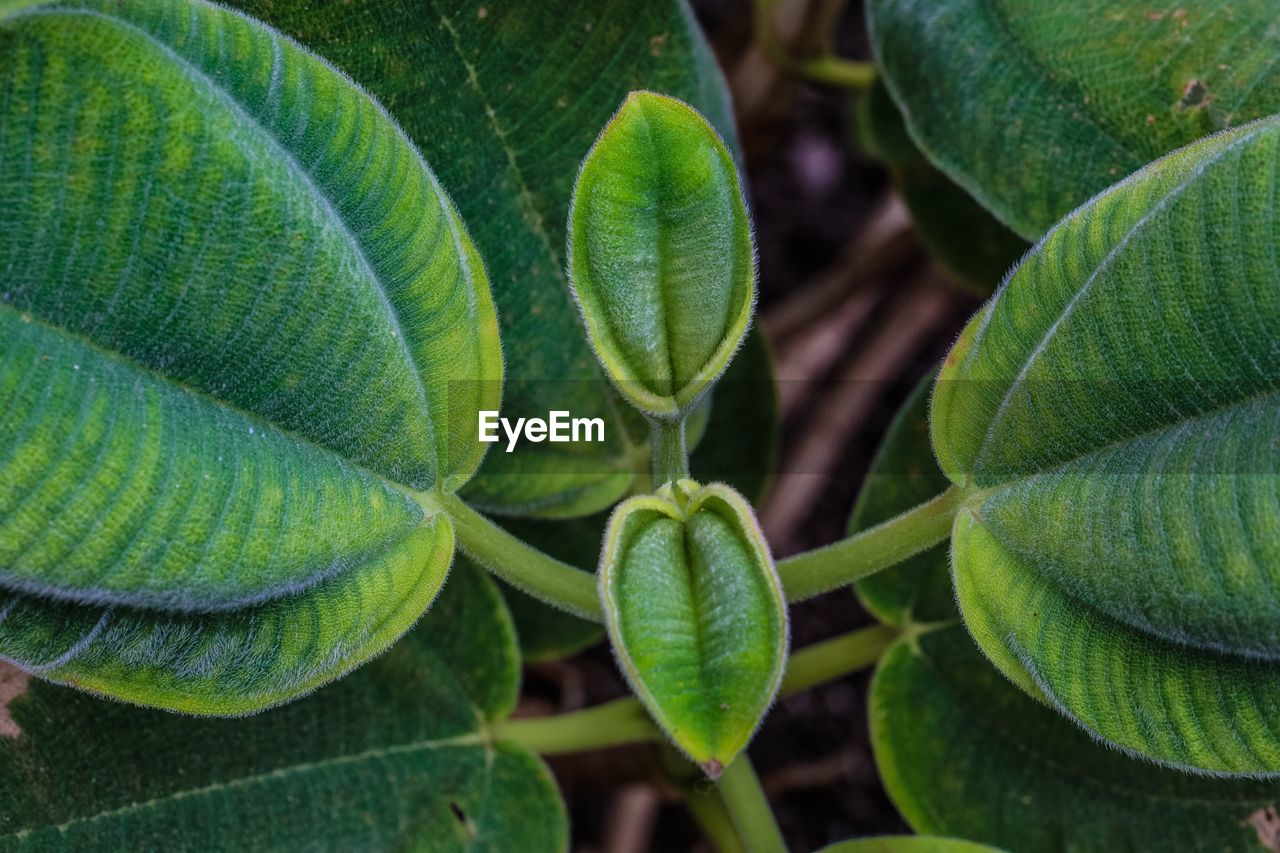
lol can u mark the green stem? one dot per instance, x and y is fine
(667, 446)
(835, 658)
(713, 819)
(744, 799)
(840, 564)
(611, 724)
(517, 562)
(626, 721)
(835, 71)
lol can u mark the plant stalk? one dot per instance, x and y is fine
(611, 724)
(748, 807)
(835, 658)
(841, 563)
(669, 452)
(519, 563)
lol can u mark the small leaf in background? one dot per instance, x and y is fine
(1112, 415)
(971, 243)
(494, 96)
(1034, 107)
(229, 358)
(660, 254)
(696, 615)
(396, 756)
(965, 753)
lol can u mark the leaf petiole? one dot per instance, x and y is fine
(743, 797)
(625, 720)
(863, 554)
(611, 724)
(517, 562)
(837, 657)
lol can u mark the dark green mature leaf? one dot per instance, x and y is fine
(1034, 106)
(907, 844)
(961, 233)
(229, 359)
(1112, 416)
(505, 99)
(661, 258)
(396, 756)
(696, 615)
(965, 753)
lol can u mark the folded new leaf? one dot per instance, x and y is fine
(1113, 414)
(660, 254)
(242, 326)
(696, 615)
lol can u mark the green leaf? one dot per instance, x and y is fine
(660, 254)
(1033, 107)
(965, 753)
(396, 756)
(971, 243)
(903, 475)
(506, 124)
(1112, 416)
(696, 615)
(229, 359)
(907, 844)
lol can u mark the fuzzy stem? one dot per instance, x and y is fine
(519, 563)
(835, 658)
(840, 564)
(667, 446)
(611, 724)
(744, 799)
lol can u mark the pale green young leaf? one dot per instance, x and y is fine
(1034, 106)
(397, 756)
(695, 614)
(241, 323)
(661, 259)
(1112, 416)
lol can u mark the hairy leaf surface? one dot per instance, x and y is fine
(505, 99)
(1035, 106)
(964, 753)
(399, 755)
(661, 259)
(696, 616)
(240, 324)
(971, 243)
(1112, 413)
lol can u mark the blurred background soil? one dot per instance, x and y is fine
(856, 313)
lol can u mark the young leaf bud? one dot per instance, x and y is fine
(660, 254)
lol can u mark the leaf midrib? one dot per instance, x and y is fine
(201, 79)
(411, 496)
(473, 740)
